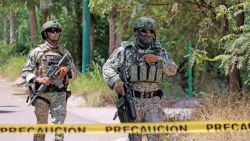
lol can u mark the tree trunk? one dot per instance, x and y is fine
(12, 26)
(4, 30)
(68, 5)
(234, 80)
(77, 51)
(45, 15)
(114, 36)
(241, 16)
(92, 37)
(111, 31)
(234, 76)
(224, 22)
(118, 40)
(44, 6)
(32, 21)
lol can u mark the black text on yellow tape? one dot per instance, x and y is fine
(42, 129)
(137, 128)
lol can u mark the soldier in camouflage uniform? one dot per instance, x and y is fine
(34, 71)
(144, 62)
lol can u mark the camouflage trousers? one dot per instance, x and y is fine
(149, 110)
(55, 103)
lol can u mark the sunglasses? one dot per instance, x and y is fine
(52, 30)
(146, 31)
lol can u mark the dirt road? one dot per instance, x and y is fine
(14, 110)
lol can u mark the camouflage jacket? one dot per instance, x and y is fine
(122, 58)
(32, 68)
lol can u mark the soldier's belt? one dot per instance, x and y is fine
(136, 128)
(52, 88)
(146, 94)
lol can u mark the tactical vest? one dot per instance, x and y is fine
(138, 70)
(49, 58)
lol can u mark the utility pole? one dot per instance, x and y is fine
(190, 81)
(85, 37)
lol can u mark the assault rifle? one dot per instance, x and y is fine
(125, 105)
(52, 76)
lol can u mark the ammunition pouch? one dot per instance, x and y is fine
(146, 72)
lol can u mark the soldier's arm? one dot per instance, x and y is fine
(110, 68)
(70, 64)
(169, 66)
(30, 66)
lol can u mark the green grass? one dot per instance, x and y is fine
(93, 88)
(5, 54)
(12, 67)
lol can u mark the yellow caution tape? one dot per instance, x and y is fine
(137, 128)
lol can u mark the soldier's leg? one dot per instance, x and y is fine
(139, 117)
(41, 112)
(154, 113)
(58, 111)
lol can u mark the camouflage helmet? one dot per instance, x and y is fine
(49, 24)
(144, 22)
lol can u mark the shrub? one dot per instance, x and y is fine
(93, 88)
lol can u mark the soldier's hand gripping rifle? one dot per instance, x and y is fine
(125, 105)
(52, 76)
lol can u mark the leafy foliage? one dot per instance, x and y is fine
(218, 44)
(237, 49)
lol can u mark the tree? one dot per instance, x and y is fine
(12, 26)
(32, 20)
(4, 21)
(114, 36)
(44, 5)
(113, 9)
(70, 18)
(234, 76)
(4, 17)
(11, 6)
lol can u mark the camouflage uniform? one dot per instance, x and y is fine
(53, 99)
(128, 57)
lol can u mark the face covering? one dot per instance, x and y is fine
(144, 41)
